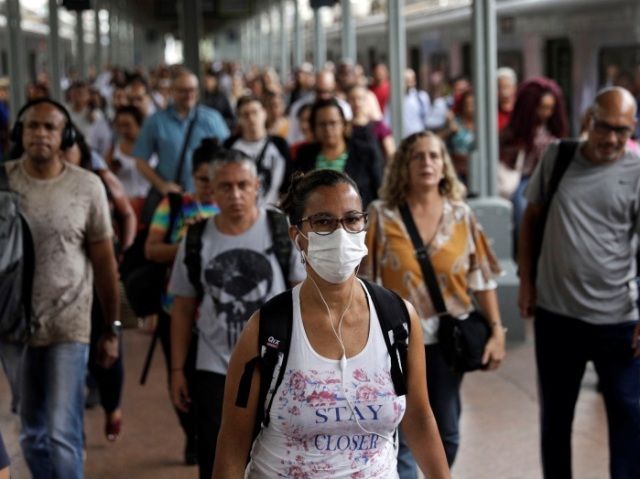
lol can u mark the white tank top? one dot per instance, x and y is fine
(313, 430)
(134, 183)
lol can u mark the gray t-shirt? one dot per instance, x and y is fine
(586, 268)
(239, 274)
(271, 168)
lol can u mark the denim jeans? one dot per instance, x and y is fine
(564, 345)
(52, 410)
(11, 359)
(519, 204)
(208, 407)
(407, 468)
(443, 387)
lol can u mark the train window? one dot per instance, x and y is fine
(559, 65)
(32, 65)
(467, 60)
(439, 62)
(618, 65)
(415, 63)
(511, 59)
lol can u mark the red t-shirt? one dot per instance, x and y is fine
(382, 94)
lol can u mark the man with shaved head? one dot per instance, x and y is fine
(581, 287)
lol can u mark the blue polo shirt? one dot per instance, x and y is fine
(163, 133)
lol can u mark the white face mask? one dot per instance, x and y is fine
(335, 256)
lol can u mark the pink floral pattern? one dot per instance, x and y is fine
(326, 423)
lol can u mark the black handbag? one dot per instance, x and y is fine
(462, 341)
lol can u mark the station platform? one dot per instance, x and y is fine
(499, 425)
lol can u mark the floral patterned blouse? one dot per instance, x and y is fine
(329, 423)
(459, 252)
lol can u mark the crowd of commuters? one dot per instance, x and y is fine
(201, 171)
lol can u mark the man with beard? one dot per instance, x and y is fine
(71, 226)
(238, 269)
(581, 288)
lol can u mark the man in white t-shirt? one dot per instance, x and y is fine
(270, 153)
(239, 270)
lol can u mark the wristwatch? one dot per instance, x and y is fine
(114, 328)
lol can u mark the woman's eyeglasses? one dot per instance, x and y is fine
(323, 224)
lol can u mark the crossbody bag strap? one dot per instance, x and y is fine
(422, 256)
(185, 145)
(260, 157)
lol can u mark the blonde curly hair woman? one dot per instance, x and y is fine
(422, 176)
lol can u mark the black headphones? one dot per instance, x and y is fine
(68, 133)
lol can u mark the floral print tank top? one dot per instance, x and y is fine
(326, 423)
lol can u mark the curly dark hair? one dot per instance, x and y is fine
(523, 120)
(303, 184)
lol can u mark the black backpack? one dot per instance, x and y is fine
(145, 280)
(274, 337)
(17, 264)
(281, 247)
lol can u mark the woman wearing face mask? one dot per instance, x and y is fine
(338, 363)
(422, 177)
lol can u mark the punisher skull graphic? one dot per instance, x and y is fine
(238, 281)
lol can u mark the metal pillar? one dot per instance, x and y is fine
(319, 41)
(55, 59)
(484, 79)
(298, 38)
(98, 34)
(397, 64)
(191, 27)
(113, 35)
(284, 52)
(270, 37)
(348, 33)
(257, 44)
(16, 56)
(80, 60)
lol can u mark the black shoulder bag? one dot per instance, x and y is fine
(462, 341)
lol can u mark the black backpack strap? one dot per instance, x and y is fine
(4, 177)
(28, 269)
(566, 151)
(281, 243)
(274, 338)
(192, 258)
(394, 317)
(175, 205)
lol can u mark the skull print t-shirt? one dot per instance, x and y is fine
(239, 274)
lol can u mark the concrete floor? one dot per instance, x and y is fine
(499, 425)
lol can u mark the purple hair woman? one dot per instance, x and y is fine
(538, 117)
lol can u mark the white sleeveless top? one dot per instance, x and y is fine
(134, 183)
(314, 431)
